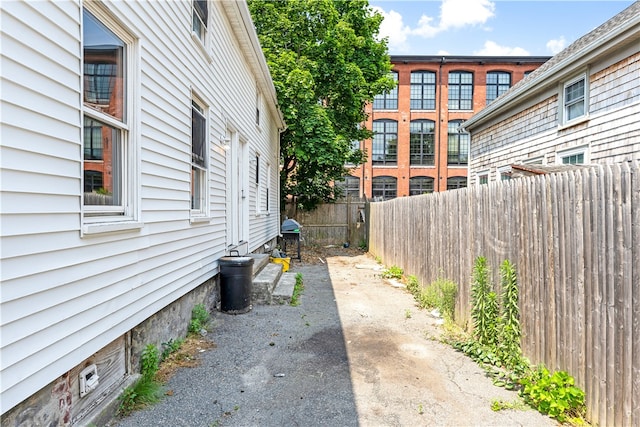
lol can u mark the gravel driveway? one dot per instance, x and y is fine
(355, 352)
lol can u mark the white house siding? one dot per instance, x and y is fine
(612, 133)
(65, 295)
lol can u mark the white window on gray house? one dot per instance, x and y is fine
(198, 157)
(200, 17)
(576, 156)
(420, 185)
(483, 177)
(498, 82)
(460, 90)
(387, 100)
(504, 173)
(384, 187)
(107, 153)
(574, 99)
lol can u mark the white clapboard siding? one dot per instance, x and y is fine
(66, 296)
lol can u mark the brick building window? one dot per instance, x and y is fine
(350, 186)
(460, 90)
(420, 185)
(423, 90)
(422, 146)
(498, 82)
(457, 145)
(385, 142)
(387, 100)
(384, 187)
(456, 182)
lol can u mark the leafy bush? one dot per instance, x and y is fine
(199, 318)
(555, 395)
(393, 272)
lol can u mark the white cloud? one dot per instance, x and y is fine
(424, 28)
(555, 46)
(394, 29)
(462, 13)
(491, 48)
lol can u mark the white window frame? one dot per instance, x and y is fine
(583, 149)
(201, 38)
(102, 219)
(201, 210)
(504, 172)
(563, 107)
(480, 175)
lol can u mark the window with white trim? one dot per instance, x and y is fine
(483, 177)
(574, 156)
(107, 148)
(504, 173)
(198, 157)
(200, 18)
(574, 99)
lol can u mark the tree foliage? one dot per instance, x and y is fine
(326, 63)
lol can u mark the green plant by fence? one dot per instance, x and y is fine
(574, 239)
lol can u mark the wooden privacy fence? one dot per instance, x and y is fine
(332, 223)
(574, 238)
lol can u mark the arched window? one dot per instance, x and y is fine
(457, 144)
(456, 182)
(423, 90)
(421, 143)
(387, 100)
(498, 82)
(460, 90)
(384, 187)
(385, 142)
(420, 185)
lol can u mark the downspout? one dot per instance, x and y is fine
(439, 127)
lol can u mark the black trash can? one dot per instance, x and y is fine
(236, 274)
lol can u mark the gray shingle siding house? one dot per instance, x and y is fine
(580, 107)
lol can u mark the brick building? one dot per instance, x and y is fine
(417, 147)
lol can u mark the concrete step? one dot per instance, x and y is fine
(264, 283)
(259, 262)
(284, 289)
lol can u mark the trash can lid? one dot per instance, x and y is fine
(236, 260)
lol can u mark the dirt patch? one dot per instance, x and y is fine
(187, 356)
(315, 254)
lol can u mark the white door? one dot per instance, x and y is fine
(237, 201)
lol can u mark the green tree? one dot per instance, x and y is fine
(326, 63)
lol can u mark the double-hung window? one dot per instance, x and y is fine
(423, 90)
(107, 116)
(498, 82)
(198, 157)
(200, 16)
(385, 142)
(387, 100)
(574, 100)
(460, 90)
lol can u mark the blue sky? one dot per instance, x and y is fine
(484, 27)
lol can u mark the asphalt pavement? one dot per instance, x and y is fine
(356, 351)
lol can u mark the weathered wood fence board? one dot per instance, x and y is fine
(332, 223)
(575, 241)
